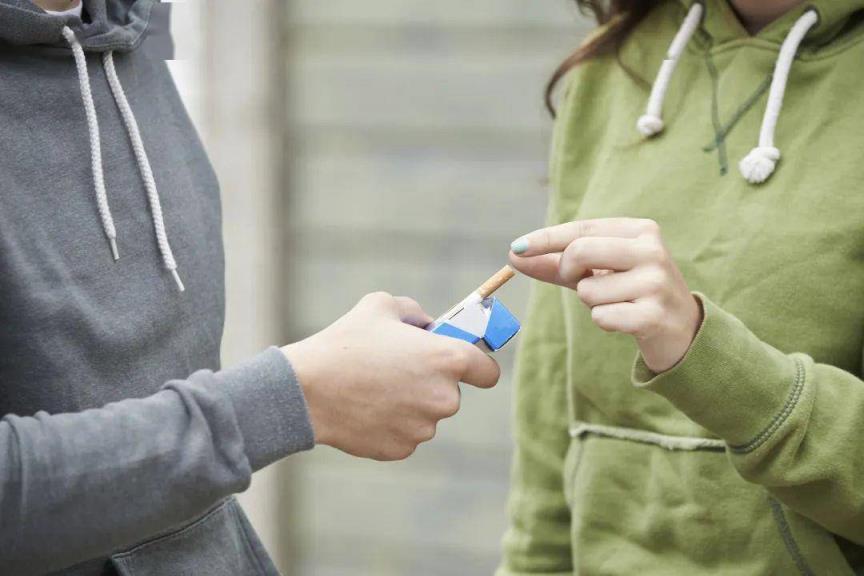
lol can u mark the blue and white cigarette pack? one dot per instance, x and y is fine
(485, 322)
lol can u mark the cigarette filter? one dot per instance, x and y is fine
(481, 319)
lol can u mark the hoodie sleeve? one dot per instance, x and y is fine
(792, 425)
(538, 540)
(93, 482)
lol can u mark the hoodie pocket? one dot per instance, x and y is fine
(666, 505)
(219, 543)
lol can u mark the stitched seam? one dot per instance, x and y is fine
(668, 442)
(171, 535)
(249, 548)
(806, 55)
(719, 140)
(739, 113)
(779, 419)
(788, 539)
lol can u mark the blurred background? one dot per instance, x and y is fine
(394, 145)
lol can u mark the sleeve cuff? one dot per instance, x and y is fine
(270, 408)
(729, 382)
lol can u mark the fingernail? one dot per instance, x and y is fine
(519, 246)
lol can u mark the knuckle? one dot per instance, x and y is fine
(427, 432)
(377, 298)
(397, 450)
(649, 227)
(655, 281)
(650, 320)
(450, 405)
(584, 228)
(600, 317)
(462, 354)
(586, 292)
(445, 401)
(545, 238)
(577, 250)
(386, 454)
(653, 249)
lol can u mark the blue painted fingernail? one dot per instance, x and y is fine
(519, 246)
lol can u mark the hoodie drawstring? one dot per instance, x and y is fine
(138, 149)
(651, 122)
(759, 164)
(95, 140)
(143, 165)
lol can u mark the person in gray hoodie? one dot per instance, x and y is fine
(122, 441)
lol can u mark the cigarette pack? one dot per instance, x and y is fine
(485, 322)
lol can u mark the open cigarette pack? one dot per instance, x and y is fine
(481, 318)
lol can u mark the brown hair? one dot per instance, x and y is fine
(619, 17)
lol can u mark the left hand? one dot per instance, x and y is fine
(620, 268)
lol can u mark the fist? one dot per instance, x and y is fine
(621, 269)
(377, 383)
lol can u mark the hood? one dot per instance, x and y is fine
(722, 25)
(109, 25)
(806, 29)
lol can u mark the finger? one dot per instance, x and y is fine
(586, 254)
(557, 238)
(446, 400)
(478, 369)
(611, 288)
(410, 312)
(380, 302)
(544, 267)
(636, 318)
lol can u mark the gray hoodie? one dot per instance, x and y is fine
(121, 441)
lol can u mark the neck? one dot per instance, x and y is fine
(56, 5)
(756, 14)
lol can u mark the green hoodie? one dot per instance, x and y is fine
(747, 457)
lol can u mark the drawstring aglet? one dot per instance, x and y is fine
(177, 280)
(114, 251)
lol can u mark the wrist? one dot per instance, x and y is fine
(303, 359)
(663, 353)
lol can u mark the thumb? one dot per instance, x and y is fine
(545, 267)
(479, 369)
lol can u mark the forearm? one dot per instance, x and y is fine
(100, 480)
(792, 425)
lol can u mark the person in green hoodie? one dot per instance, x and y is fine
(689, 396)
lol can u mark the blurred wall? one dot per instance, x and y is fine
(391, 145)
(417, 151)
(227, 71)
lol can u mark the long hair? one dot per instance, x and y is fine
(619, 17)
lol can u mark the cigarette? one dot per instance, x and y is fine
(496, 281)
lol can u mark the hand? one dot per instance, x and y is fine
(377, 384)
(621, 269)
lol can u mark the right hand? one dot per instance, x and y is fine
(377, 384)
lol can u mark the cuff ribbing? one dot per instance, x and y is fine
(730, 382)
(270, 408)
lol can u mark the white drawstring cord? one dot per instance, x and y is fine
(651, 122)
(95, 141)
(144, 167)
(759, 164)
(137, 147)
